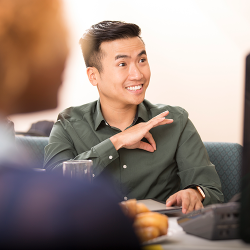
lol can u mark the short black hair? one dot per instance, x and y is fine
(103, 32)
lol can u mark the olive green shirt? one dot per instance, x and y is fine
(180, 158)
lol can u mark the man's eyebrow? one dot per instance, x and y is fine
(121, 56)
(143, 52)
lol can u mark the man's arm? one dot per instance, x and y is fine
(65, 144)
(194, 168)
(61, 145)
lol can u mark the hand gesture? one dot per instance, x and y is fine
(131, 138)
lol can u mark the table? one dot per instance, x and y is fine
(180, 240)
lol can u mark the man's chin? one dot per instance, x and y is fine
(136, 101)
(139, 99)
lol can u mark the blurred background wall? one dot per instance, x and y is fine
(196, 51)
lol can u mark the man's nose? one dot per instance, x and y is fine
(135, 73)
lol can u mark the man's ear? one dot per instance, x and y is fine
(93, 74)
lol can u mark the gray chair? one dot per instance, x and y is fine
(226, 157)
(35, 146)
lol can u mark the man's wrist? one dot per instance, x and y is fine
(116, 142)
(199, 191)
(199, 195)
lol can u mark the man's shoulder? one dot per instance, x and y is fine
(77, 113)
(156, 109)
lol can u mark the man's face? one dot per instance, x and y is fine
(125, 72)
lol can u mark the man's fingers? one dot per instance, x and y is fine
(163, 114)
(191, 206)
(165, 121)
(185, 205)
(190, 203)
(160, 120)
(195, 204)
(151, 140)
(171, 201)
(185, 198)
(198, 206)
(146, 146)
(155, 121)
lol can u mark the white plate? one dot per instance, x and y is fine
(157, 240)
(160, 238)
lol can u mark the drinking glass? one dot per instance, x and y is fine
(78, 169)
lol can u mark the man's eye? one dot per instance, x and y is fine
(121, 64)
(142, 60)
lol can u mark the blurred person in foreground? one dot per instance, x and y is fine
(41, 210)
(148, 150)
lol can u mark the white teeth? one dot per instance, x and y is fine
(134, 88)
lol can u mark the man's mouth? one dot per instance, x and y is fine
(134, 88)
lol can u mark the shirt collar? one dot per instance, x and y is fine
(142, 112)
(98, 115)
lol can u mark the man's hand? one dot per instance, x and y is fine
(131, 138)
(190, 199)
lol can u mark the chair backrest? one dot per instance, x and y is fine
(227, 158)
(34, 145)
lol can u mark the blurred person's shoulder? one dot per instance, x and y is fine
(76, 113)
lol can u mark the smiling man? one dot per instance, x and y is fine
(146, 150)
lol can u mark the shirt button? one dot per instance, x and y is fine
(93, 175)
(125, 198)
(124, 166)
(110, 157)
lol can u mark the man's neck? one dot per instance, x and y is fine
(119, 117)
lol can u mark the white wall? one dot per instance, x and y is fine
(196, 51)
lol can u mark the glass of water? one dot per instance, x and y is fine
(78, 169)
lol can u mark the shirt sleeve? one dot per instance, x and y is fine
(194, 165)
(61, 148)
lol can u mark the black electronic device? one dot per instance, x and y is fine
(245, 185)
(214, 222)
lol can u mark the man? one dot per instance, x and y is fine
(44, 210)
(145, 154)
